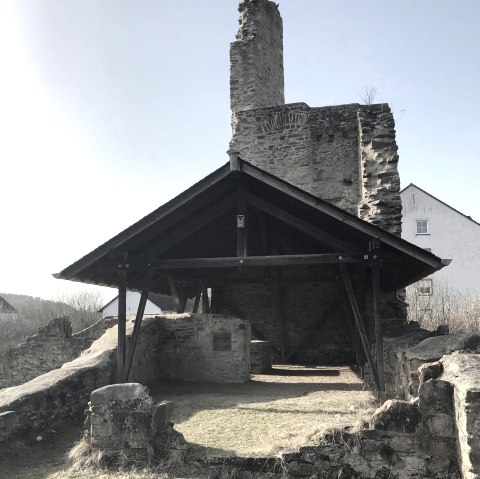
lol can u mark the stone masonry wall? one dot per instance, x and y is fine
(51, 347)
(196, 347)
(381, 204)
(315, 149)
(63, 393)
(256, 57)
(461, 370)
(314, 334)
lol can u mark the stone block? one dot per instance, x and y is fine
(397, 416)
(436, 395)
(429, 371)
(161, 416)
(121, 396)
(440, 425)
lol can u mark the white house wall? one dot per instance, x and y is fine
(133, 299)
(451, 236)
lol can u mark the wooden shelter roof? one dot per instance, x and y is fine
(194, 237)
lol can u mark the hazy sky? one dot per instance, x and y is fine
(108, 108)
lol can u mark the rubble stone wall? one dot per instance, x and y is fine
(315, 330)
(51, 347)
(63, 393)
(256, 57)
(315, 149)
(197, 347)
(381, 204)
(461, 370)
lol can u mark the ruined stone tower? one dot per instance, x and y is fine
(345, 154)
(256, 58)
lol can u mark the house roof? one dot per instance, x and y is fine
(6, 307)
(442, 202)
(200, 224)
(163, 301)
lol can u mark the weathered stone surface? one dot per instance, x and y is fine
(397, 375)
(63, 393)
(256, 58)
(51, 347)
(432, 349)
(124, 422)
(199, 347)
(161, 416)
(436, 395)
(429, 371)
(462, 371)
(396, 416)
(261, 357)
(124, 394)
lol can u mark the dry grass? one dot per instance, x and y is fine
(457, 309)
(273, 413)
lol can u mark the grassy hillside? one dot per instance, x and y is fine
(33, 313)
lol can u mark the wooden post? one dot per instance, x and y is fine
(234, 160)
(205, 302)
(136, 333)
(375, 265)
(281, 314)
(197, 300)
(122, 320)
(359, 323)
(242, 221)
(178, 296)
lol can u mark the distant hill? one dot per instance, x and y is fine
(33, 313)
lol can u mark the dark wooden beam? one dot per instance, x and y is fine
(122, 321)
(187, 228)
(355, 337)
(197, 301)
(254, 261)
(341, 215)
(242, 220)
(205, 302)
(374, 250)
(178, 295)
(359, 324)
(280, 306)
(136, 332)
(297, 223)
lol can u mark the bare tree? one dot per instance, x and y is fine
(368, 95)
(459, 310)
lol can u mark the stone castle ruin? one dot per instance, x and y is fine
(293, 248)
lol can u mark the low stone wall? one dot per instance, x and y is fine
(429, 350)
(51, 347)
(197, 347)
(174, 345)
(123, 422)
(462, 371)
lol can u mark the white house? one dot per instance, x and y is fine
(7, 311)
(156, 303)
(432, 224)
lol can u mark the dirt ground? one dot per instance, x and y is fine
(281, 411)
(277, 412)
